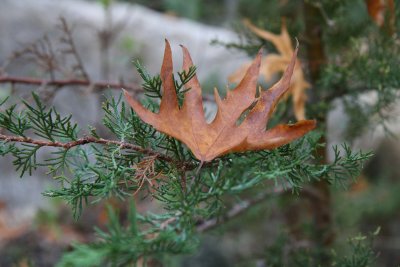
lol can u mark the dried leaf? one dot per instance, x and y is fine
(378, 9)
(276, 63)
(222, 135)
(145, 173)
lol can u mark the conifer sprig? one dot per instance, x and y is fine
(90, 169)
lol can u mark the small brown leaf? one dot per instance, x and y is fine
(379, 9)
(276, 63)
(222, 135)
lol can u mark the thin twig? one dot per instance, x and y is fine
(41, 52)
(107, 36)
(68, 40)
(240, 208)
(68, 82)
(13, 80)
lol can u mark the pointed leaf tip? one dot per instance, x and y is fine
(259, 55)
(260, 51)
(185, 51)
(167, 45)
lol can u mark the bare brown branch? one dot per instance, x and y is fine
(100, 85)
(69, 41)
(69, 82)
(40, 52)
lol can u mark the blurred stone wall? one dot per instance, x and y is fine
(142, 35)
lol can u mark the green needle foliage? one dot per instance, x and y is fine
(358, 249)
(152, 85)
(190, 194)
(358, 58)
(44, 123)
(373, 72)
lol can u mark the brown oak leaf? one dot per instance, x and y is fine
(223, 135)
(276, 63)
(378, 9)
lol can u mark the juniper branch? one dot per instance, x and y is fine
(239, 209)
(94, 140)
(246, 205)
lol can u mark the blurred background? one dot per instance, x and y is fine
(108, 36)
